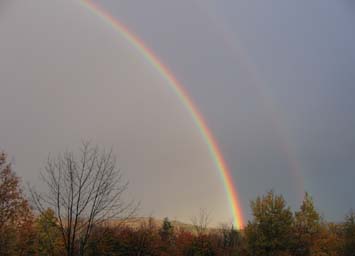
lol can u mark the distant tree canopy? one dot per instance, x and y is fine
(86, 189)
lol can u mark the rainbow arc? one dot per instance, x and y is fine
(185, 99)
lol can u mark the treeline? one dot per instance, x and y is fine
(273, 230)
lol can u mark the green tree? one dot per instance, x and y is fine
(166, 232)
(270, 231)
(307, 228)
(203, 245)
(48, 234)
(230, 241)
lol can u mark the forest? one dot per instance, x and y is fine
(85, 194)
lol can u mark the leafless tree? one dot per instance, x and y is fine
(201, 221)
(84, 190)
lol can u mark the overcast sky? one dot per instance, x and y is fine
(275, 81)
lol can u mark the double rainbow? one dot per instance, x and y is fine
(185, 99)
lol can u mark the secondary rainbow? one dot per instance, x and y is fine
(185, 98)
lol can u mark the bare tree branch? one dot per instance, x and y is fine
(201, 221)
(84, 191)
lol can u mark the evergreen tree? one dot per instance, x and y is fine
(167, 231)
(270, 231)
(307, 227)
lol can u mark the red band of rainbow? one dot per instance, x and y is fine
(185, 98)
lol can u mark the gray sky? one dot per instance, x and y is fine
(274, 80)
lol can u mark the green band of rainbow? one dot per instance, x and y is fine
(185, 98)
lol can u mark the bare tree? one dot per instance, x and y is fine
(201, 221)
(83, 191)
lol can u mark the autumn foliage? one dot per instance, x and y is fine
(274, 230)
(16, 217)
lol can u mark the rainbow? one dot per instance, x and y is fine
(185, 99)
